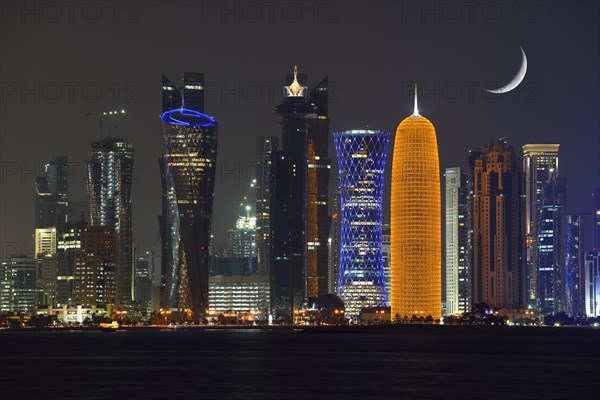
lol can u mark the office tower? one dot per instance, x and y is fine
(550, 275)
(361, 156)
(539, 162)
(334, 243)
(573, 238)
(96, 263)
(317, 192)
(143, 281)
(416, 220)
(499, 270)
(242, 239)
(265, 146)
(592, 283)
(5, 288)
(457, 249)
(386, 248)
(187, 167)
(69, 244)
(51, 202)
(23, 277)
(302, 170)
(109, 175)
(193, 93)
(46, 256)
(596, 211)
(239, 294)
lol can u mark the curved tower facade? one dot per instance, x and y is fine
(416, 259)
(361, 158)
(188, 170)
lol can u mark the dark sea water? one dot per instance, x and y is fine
(282, 364)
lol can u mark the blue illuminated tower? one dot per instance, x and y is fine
(361, 158)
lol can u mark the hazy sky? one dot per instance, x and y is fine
(58, 63)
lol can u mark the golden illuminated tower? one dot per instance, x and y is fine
(416, 260)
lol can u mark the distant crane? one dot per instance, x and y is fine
(100, 115)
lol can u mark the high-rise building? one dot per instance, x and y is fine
(596, 211)
(550, 274)
(143, 281)
(539, 162)
(361, 156)
(69, 244)
(51, 202)
(5, 288)
(242, 239)
(416, 224)
(334, 240)
(109, 175)
(573, 237)
(299, 254)
(265, 146)
(592, 283)
(46, 256)
(386, 249)
(23, 281)
(457, 249)
(188, 167)
(499, 270)
(96, 264)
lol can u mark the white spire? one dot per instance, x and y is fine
(416, 111)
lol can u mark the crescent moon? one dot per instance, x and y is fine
(516, 80)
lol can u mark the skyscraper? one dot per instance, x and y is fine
(572, 236)
(539, 162)
(45, 254)
(51, 202)
(242, 239)
(550, 275)
(109, 175)
(592, 283)
(96, 264)
(416, 220)
(596, 211)
(299, 199)
(334, 242)
(188, 168)
(457, 249)
(265, 146)
(23, 280)
(361, 158)
(69, 244)
(499, 269)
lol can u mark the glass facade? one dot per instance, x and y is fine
(361, 164)
(188, 172)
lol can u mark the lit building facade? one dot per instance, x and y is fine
(386, 249)
(51, 201)
(361, 158)
(46, 256)
(239, 294)
(96, 264)
(69, 244)
(499, 265)
(242, 239)
(573, 237)
(299, 208)
(334, 243)
(550, 274)
(540, 161)
(592, 283)
(22, 273)
(188, 173)
(457, 271)
(265, 146)
(415, 217)
(109, 175)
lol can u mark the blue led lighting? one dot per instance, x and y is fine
(361, 164)
(187, 117)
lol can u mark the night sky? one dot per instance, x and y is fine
(372, 51)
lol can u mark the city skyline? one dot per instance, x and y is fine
(475, 59)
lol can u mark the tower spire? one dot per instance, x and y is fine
(416, 110)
